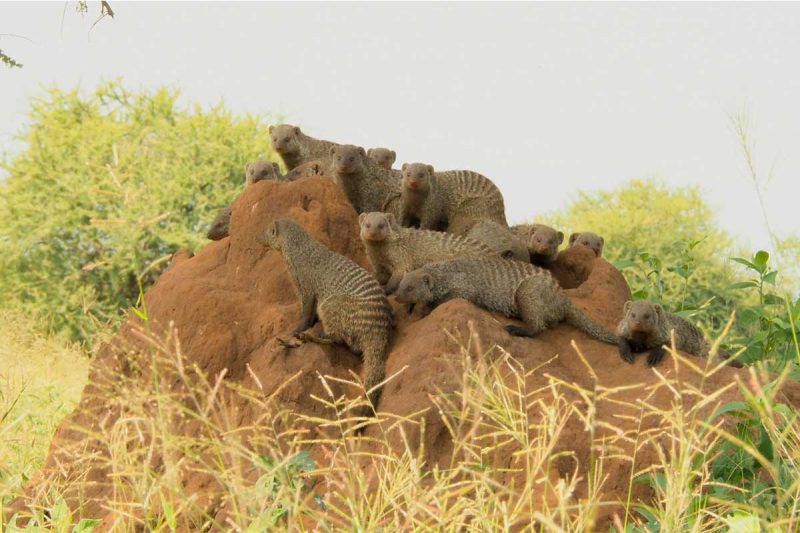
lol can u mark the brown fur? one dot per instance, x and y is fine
(295, 148)
(593, 241)
(541, 241)
(221, 224)
(383, 157)
(369, 187)
(646, 327)
(500, 239)
(513, 288)
(453, 200)
(394, 250)
(335, 291)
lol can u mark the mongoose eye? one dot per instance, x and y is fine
(647, 316)
(381, 225)
(286, 139)
(408, 289)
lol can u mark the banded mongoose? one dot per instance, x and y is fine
(296, 148)
(369, 187)
(452, 200)
(542, 242)
(344, 297)
(394, 250)
(593, 241)
(513, 288)
(261, 170)
(500, 239)
(383, 157)
(646, 327)
(220, 225)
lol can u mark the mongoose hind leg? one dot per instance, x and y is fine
(317, 338)
(655, 356)
(529, 308)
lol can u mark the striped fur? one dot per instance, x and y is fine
(452, 200)
(347, 300)
(513, 288)
(394, 250)
(368, 186)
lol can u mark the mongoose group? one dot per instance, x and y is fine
(431, 236)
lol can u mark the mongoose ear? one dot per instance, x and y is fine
(560, 237)
(361, 151)
(333, 150)
(573, 238)
(430, 169)
(427, 280)
(394, 156)
(276, 168)
(390, 218)
(247, 168)
(369, 152)
(627, 307)
(659, 309)
(271, 128)
(403, 168)
(361, 218)
(602, 241)
(296, 130)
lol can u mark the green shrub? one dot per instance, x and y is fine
(108, 187)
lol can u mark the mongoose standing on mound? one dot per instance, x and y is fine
(500, 239)
(296, 148)
(219, 228)
(344, 297)
(646, 326)
(383, 157)
(513, 288)
(394, 250)
(542, 242)
(368, 186)
(452, 200)
(261, 170)
(593, 241)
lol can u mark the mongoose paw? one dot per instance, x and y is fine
(410, 308)
(626, 356)
(655, 357)
(518, 331)
(294, 342)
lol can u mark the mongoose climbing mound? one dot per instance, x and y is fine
(295, 148)
(542, 242)
(513, 288)
(335, 291)
(367, 185)
(394, 250)
(383, 157)
(593, 241)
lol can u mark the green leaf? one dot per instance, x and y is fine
(770, 276)
(743, 285)
(745, 262)
(729, 407)
(760, 260)
(86, 525)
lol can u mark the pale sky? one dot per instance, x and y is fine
(545, 99)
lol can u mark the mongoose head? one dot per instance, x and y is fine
(284, 139)
(591, 240)
(416, 287)
(377, 226)
(314, 168)
(544, 240)
(278, 230)
(383, 157)
(643, 316)
(417, 176)
(261, 170)
(219, 228)
(348, 159)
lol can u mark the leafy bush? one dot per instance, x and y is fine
(109, 186)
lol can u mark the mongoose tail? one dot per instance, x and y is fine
(576, 317)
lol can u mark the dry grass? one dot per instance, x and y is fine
(260, 477)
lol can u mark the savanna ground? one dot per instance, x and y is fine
(140, 176)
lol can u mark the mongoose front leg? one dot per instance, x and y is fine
(656, 355)
(625, 351)
(520, 331)
(393, 282)
(317, 338)
(308, 311)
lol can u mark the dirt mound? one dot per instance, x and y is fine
(230, 301)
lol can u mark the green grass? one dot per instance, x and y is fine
(41, 379)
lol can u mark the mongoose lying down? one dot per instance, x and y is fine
(394, 250)
(513, 288)
(593, 241)
(383, 157)
(646, 327)
(335, 291)
(542, 242)
(452, 200)
(295, 148)
(368, 186)
(500, 239)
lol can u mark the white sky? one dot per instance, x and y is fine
(544, 99)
